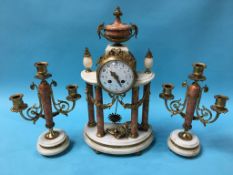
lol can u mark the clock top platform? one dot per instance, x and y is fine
(142, 78)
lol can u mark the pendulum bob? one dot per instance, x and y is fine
(134, 113)
(90, 106)
(99, 112)
(183, 142)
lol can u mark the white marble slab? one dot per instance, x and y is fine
(186, 148)
(52, 142)
(110, 145)
(51, 147)
(142, 78)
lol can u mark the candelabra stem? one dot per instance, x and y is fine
(44, 90)
(91, 112)
(193, 94)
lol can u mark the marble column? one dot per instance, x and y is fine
(90, 105)
(134, 113)
(145, 107)
(99, 112)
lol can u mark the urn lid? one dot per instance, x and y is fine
(117, 32)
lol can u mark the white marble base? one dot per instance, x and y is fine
(186, 148)
(110, 145)
(51, 147)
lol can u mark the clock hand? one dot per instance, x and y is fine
(115, 76)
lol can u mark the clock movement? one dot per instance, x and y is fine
(116, 75)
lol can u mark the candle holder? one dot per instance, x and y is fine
(183, 142)
(53, 141)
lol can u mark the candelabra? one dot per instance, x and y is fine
(184, 142)
(53, 141)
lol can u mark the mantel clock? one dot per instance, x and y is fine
(116, 75)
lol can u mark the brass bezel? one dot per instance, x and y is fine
(107, 58)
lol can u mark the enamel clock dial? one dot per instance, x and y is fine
(116, 77)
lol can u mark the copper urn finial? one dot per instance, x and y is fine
(117, 32)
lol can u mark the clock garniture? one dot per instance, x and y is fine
(183, 142)
(53, 141)
(116, 74)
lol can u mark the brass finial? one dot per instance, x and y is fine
(149, 54)
(87, 53)
(117, 12)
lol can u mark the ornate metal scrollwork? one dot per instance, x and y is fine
(103, 106)
(204, 115)
(176, 106)
(61, 106)
(135, 105)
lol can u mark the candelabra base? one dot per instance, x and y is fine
(186, 148)
(110, 145)
(51, 147)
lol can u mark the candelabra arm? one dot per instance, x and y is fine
(61, 106)
(34, 112)
(175, 107)
(30, 118)
(214, 119)
(204, 115)
(65, 112)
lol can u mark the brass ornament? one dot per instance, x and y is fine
(117, 54)
(46, 101)
(118, 98)
(191, 102)
(119, 131)
(117, 32)
(120, 55)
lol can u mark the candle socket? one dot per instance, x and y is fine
(42, 72)
(198, 70)
(72, 93)
(167, 91)
(18, 104)
(220, 104)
